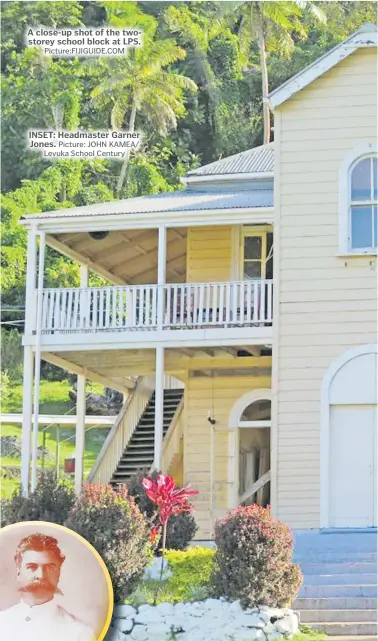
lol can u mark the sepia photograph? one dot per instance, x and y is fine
(53, 585)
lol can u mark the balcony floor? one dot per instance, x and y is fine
(116, 366)
(63, 340)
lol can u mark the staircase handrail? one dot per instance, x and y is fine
(257, 485)
(176, 429)
(120, 433)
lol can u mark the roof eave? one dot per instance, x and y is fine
(109, 222)
(322, 65)
(202, 178)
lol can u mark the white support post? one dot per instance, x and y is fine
(83, 275)
(159, 408)
(80, 432)
(27, 414)
(162, 259)
(37, 363)
(80, 409)
(27, 407)
(31, 273)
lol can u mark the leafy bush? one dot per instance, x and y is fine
(12, 354)
(253, 561)
(49, 502)
(113, 524)
(5, 390)
(181, 527)
(191, 571)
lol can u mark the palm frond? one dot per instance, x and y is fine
(118, 112)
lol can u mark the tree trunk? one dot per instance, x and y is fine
(126, 159)
(264, 74)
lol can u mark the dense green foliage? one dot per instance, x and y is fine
(253, 560)
(181, 527)
(113, 524)
(194, 90)
(49, 502)
(191, 569)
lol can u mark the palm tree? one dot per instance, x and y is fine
(139, 84)
(197, 28)
(272, 23)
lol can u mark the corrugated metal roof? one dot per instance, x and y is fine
(174, 201)
(257, 160)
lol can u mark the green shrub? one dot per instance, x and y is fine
(49, 502)
(253, 561)
(191, 572)
(12, 354)
(5, 390)
(181, 527)
(113, 524)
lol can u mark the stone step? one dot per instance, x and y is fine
(318, 591)
(319, 616)
(339, 568)
(338, 603)
(340, 579)
(346, 628)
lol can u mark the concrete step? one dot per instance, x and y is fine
(361, 637)
(314, 558)
(336, 540)
(338, 603)
(340, 579)
(339, 568)
(348, 629)
(319, 616)
(324, 591)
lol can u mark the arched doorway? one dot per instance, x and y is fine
(250, 421)
(349, 440)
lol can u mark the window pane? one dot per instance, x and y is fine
(257, 411)
(375, 226)
(252, 269)
(252, 247)
(375, 177)
(361, 180)
(362, 229)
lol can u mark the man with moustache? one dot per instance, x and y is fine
(38, 617)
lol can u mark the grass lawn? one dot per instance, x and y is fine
(54, 399)
(310, 636)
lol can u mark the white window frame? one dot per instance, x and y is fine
(348, 164)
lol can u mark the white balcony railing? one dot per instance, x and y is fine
(189, 305)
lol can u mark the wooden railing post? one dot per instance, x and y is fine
(159, 306)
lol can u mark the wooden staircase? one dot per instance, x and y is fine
(139, 452)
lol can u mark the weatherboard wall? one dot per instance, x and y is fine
(207, 456)
(327, 303)
(209, 254)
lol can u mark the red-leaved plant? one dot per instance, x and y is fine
(170, 500)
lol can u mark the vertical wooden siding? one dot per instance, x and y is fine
(218, 395)
(327, 303)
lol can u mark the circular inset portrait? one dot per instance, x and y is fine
(54, 586)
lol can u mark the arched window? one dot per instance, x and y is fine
(257, 414)
(363, 204)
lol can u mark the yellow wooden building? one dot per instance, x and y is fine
(240, 318)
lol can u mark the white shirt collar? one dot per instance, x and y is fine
(43, 609)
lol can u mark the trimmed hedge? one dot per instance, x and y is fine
(191, 569)
(253, 561)
(113, 524)
(49, 502)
